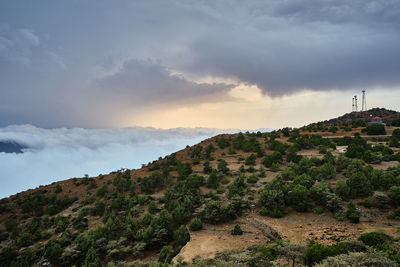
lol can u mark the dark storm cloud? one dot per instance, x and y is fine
(53, 54)
(286, 46)
(147, 81)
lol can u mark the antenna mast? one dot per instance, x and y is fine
(364, 101)
(355, 103)
(352, 104)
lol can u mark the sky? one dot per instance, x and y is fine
(204, 63)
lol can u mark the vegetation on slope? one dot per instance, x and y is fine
(144, 214)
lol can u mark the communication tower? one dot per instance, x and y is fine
(355, 103)
(364, 101)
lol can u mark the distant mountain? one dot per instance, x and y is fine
(11, 147)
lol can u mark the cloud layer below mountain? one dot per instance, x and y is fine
(57, 154)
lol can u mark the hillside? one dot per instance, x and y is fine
(325, 193)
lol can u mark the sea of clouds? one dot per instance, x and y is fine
(62, 153)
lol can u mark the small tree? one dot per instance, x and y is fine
(352, 214)
(394, 195)
(165, 255)
(237, 230)
(181, 236)
(213, 181)
(196, 224)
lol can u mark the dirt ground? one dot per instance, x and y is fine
(216, 238)
(296, 227)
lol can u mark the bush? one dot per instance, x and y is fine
(376, 129)
(152, 207)
(374, 239)
(237, 187)
(359, 185)
(274, 201)
(207, 168)
(358, 259)
(99, 208)
(298, 198)
(394, 195)
(53, 252)
(223, 166)
(396, 134)
(352, 214)
(275, 167)
(237, 230)
(24, 239)
(58, 189)
(342, 190)
(251, 160)
(327, 171)
(252, 179)
(263, 211)
(213, 181)
(7, 256)
(165, 255)
(314, 253)
(394, 215)
(181, 236)
(196, 224)
(275, 157)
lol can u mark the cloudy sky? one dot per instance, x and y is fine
(170, 63)
(81, 79)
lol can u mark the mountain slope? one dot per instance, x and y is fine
(229, 191)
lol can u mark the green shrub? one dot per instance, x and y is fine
(58, 189)
(102, 191)
(207, 168)
(275, 157)
(358, 259)
(352, 214)
(374, 239)
(7, 256)
(375, 129)
(99, 208)
(24, 239)
(394, 215)
(273, 200)
(263, 211)
(394, 195)
(237, 230)
(222, 166)
(53, 251)
(318, 210)
(251, 160)
(152, 207)
(298, 198)
(181, 236)
(252, 179)
(396, 134)
(196, 224)
(165, 255)
(275, 167)
(342, 190)
(213, 180)
(314, 253)
(236, 187)
(91, 258)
